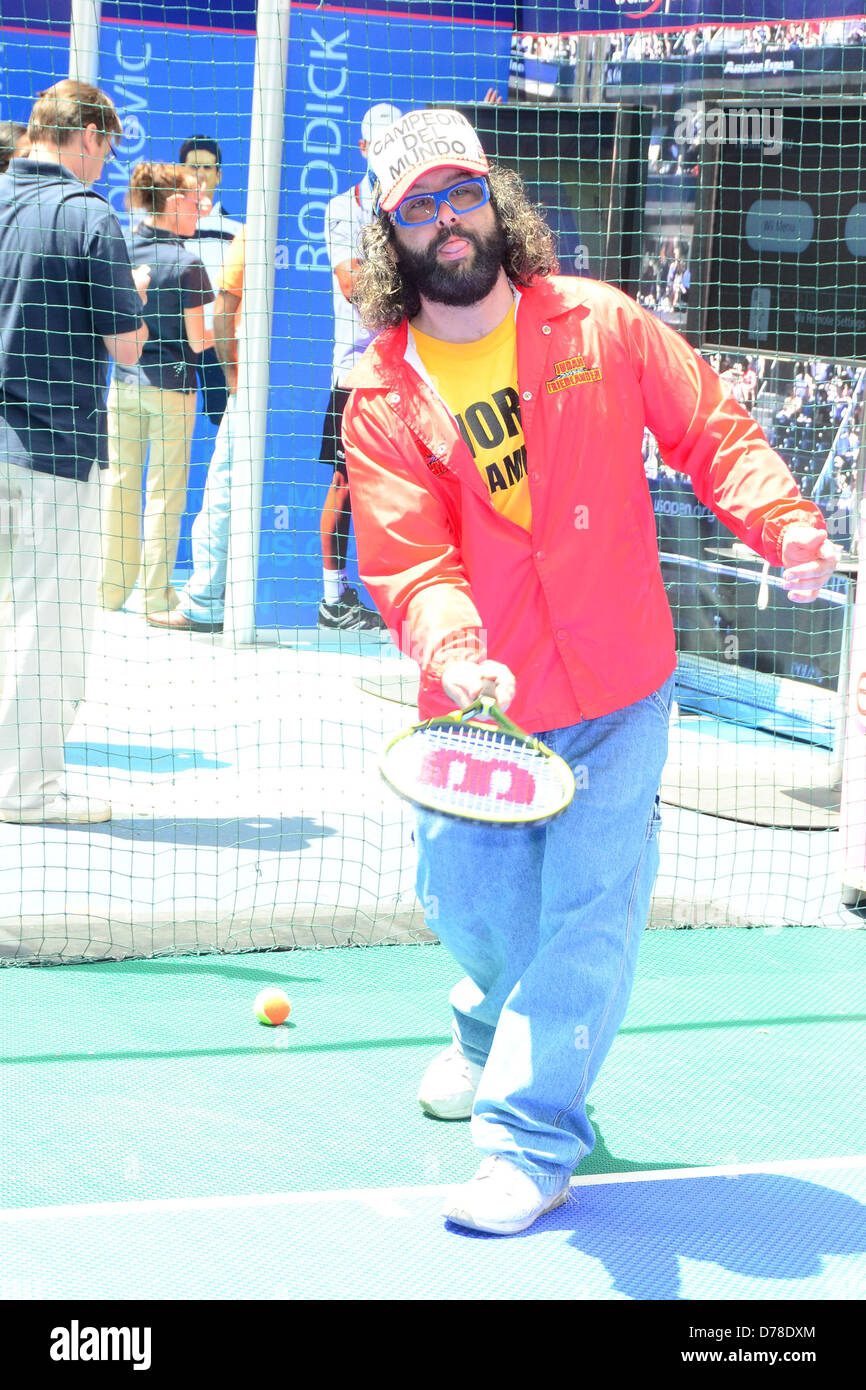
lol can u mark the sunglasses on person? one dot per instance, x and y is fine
(420, 208)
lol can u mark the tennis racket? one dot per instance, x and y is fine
(476, 765)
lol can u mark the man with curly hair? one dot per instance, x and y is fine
(506, 532)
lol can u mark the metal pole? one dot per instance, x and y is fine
(254, 339)
(84, 40)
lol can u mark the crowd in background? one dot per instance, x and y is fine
(654, 46)
(744, 377)
(765, 39)
(820, 416)
(547, 48)
(817, 416)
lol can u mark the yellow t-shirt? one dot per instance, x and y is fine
(478, 383)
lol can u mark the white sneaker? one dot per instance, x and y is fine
(501, 1199)
(60, 810)
(449, 1084)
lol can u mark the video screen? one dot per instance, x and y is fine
(787, 269)
(586, 168)
(673, 171)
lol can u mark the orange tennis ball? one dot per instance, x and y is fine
(272, 1006)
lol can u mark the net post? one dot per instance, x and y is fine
(84, 40)
(853, 732)
(254, 335)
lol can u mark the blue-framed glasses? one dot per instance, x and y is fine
(420, 208)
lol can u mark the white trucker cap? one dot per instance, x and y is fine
(377, 119)
(418, 143)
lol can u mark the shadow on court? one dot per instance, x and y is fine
(219, 967)
(140, 757)
(271, 1048)
(761, 1226)
(602, 1160)
(265, 834)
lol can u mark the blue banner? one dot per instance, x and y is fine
(602, 16)
(168, 84)
(239, 16)
(334, 56)
(35, 13)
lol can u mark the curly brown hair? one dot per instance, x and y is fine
(384, 297)
(151, 185)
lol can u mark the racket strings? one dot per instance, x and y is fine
(463, 768)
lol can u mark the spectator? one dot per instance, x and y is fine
(151, 404)
(802, 384)
(749, 383)
(347, 214)
(848, 443)
(201, 602)
(680, 280)
(789, 410)
(472, 478)
(842, 402)
(733, 379)
(14, 143)
(214, 234)
(69, 300)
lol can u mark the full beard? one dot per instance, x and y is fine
(456, 283)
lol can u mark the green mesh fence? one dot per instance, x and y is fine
(196, 684)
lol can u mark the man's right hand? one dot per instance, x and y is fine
(465, 681)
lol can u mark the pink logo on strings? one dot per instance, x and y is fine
(450, 768)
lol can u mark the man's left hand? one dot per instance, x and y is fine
(808, 560)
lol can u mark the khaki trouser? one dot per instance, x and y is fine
(49, 576)
(136, 549)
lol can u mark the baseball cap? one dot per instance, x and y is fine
(418, 143)
(377, 119)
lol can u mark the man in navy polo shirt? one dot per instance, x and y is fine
(68, 302)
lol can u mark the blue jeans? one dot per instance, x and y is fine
(546, 921)
(202, 599)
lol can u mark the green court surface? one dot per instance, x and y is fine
(156, 1139)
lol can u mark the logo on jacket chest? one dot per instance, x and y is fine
(573, 371)
(437, 467)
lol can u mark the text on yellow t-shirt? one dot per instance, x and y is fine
(478, 383)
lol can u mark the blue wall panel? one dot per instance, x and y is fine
(171, 82)
(420, 61)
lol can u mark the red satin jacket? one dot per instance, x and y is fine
(576, 608)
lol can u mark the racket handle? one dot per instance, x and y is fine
(764, 589)
(487, 707)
